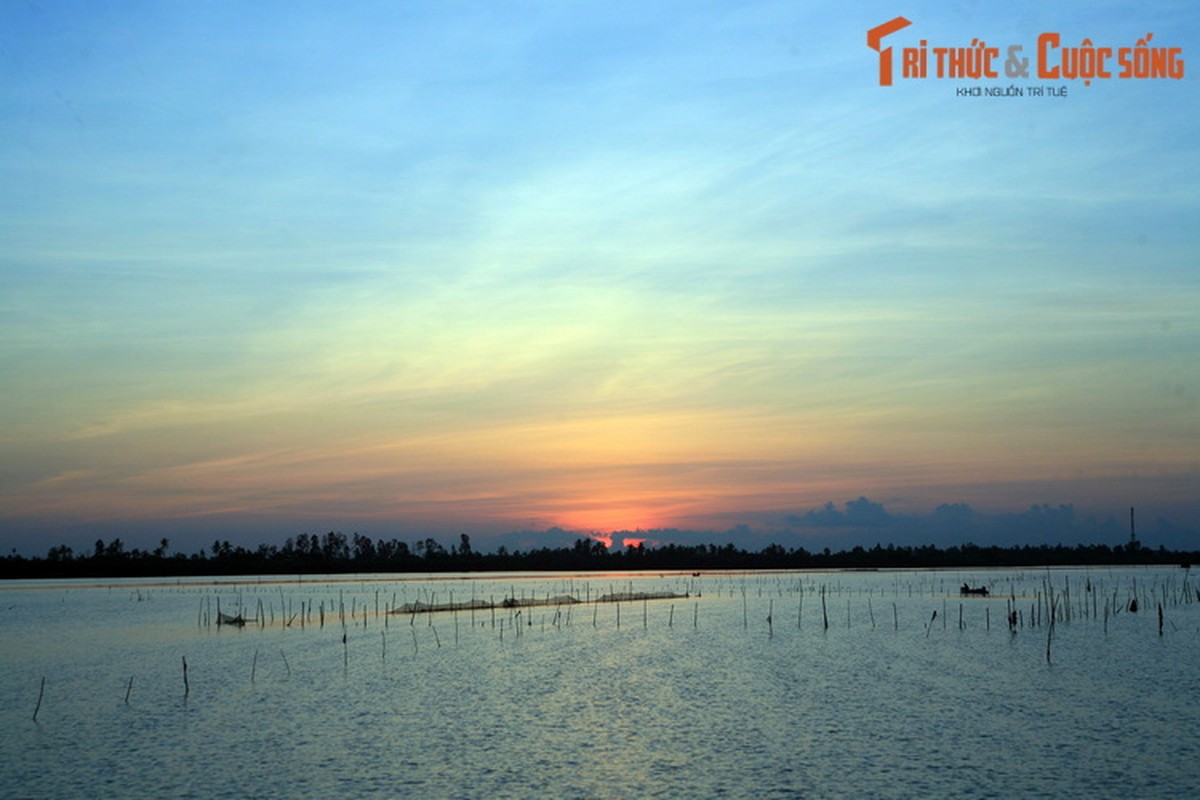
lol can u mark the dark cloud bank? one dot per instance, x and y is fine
(867, 523)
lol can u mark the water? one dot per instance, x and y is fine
(688, 697)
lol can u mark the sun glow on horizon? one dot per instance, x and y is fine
(606, 522)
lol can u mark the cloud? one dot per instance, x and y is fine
(860, 513)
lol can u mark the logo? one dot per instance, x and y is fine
(875, 39)
(1050, 60)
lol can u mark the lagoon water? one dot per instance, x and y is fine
(697, 696)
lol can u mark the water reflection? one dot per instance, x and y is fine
(696, 694)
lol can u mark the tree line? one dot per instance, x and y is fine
(336, 553)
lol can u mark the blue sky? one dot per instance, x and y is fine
(412, 268)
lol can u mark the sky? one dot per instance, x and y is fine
(684, 270)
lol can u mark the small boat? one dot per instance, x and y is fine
(225, 619)
(978, 591)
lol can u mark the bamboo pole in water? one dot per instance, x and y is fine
(128, 689)
(1050, 630)
(41, 693)
(186, 688)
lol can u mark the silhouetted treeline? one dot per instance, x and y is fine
(336, 553)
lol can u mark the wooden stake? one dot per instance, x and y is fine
(1050, 629)
(41, 692)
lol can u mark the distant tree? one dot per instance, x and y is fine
(334, 547)
(60, 553)
(393, 550)
(364, 548)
